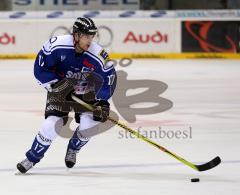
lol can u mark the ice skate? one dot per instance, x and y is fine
(25, 165)
(70, 158)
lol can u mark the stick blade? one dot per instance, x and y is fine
(209, 165)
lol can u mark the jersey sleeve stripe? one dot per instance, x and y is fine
(56, 47)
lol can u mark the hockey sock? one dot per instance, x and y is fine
(77, 141)
(39, 147)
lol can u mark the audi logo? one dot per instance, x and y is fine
(104, 36)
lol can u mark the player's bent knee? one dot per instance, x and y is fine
(51, 126)
(86, 121)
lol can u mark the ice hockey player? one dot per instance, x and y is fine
(68, 56)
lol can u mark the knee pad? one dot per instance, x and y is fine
(87, 122)
(51, 126)
(89, 128)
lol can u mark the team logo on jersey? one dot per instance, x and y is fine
(63, 58)
(88, 64)
(104, 55)
(74, 75)
(107, 63)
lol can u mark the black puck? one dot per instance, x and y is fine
(195, 180)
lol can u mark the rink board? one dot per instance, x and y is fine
(212, 34)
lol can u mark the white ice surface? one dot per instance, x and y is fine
(206, 96)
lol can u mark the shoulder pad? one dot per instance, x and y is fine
(64, 41)
(96, 51)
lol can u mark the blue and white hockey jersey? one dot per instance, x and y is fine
(58, 60)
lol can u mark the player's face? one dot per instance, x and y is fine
(83, 42)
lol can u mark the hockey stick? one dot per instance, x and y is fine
(203, 167)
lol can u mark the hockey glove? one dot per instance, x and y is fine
(101, 110)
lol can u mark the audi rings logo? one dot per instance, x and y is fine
(104, 35)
